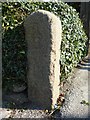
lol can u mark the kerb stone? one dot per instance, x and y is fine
(43, 35)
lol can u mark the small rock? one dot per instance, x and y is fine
(19, 88)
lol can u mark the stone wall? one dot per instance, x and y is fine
(43, 35)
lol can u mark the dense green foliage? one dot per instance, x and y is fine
(75, 5)
(73, 46)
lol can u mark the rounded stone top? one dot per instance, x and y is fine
(42, 14)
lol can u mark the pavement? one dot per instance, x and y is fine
(77, 99)
(76, 105)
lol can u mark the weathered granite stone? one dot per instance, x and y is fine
(43, 36)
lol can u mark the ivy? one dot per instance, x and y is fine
(73, 46)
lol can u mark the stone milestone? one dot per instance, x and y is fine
(43, 35)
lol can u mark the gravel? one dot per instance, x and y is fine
(77, 88)
(78, 92)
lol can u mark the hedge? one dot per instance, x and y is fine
(73, 46)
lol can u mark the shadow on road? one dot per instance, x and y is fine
(84, 65)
